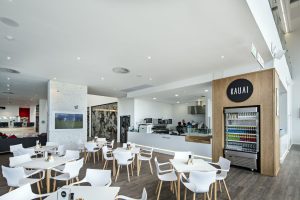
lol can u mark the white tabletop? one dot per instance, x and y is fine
(43, 148)
(41, 163)
(90, 193)
(133, 150)
(198, 165)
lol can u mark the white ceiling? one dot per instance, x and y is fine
(184, 39)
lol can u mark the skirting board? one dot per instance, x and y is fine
(284, 156)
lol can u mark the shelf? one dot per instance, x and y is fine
(242, 133)
(242, 119)
(237, 125)
(240, 141)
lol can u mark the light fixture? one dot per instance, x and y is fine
(54, 78)
(8, 57)
(177, 101)
(120, 70)
(206, 90)
(8, 89)
(176, 95)
(102, 78)
(284, 17)
(9, 37)
(149, 57)
(7, 85)
(8, 78)
(78, 58)
(222, 57)
(154, 98)
(150, 79)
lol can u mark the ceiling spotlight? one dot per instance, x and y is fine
(149, 57)
(8, 89)
(54, 78)
(78, 58)
(154, 98)
(8, 78)
(205, 90)
(176, 95)
(102, 78)
(177, 101)
(9, 37)
(7, 85)
(150, 79)
(8, 57)
(222, 57)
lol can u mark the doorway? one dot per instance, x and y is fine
(124, 126)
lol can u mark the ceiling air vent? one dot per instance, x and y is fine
(139, 87)
(8, 93)
(7, 70)
(120, 70)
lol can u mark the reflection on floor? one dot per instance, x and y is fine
(242, 184)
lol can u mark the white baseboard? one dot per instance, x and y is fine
(283, 157)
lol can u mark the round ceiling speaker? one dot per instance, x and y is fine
(120, 70)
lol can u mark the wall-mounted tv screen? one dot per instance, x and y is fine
(68, 121)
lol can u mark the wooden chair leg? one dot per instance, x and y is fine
(185, 190)
(140, 166)
(94, 157)
(220, 186)
(98, 156)
(131, 170)
(105, 164)
(159, 190)
(194, 196)
(117, 173)
(208, 197)
(128, 176)
(204, 196)
(77, 179)
(211, 189)
(175, 186)
(226, 190)
(171, 187)
(54, 185)
(10, 189)
(157, 187)
(39, 189)
(41, 180)
(150, 167)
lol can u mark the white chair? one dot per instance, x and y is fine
(15, 147)
(17, 177)
(111, 144)
(18, 160)
(69, 173)
(124, 159)
(96, 177)
(144, 196)
(145, 155)
(198, 182)
(106, 152)
(80, 145)
(51, 144)
(168, 175)
(101, 140)
(23, 151)
(70, 155)
(91, 148)
(182, 155)
(224, 165)
(60, 151)
(22, 193)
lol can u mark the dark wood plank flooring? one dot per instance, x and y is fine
(243, 184)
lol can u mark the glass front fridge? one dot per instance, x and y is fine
(242, 131)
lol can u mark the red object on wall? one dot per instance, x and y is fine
(24, 112)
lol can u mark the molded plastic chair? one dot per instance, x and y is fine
(96, 177)
(51, 144)
(165, 175)
(22, 193)
(60, 150)
(124, 159)
(224, 169)
(144, 196)
(17, 177)
(18, 160)
(145, 155)
(70, 172)
(15, 147)
(182, 155)
(105, 153)
(23, 151)
(198, 182)
(111, 144)
(71, 155)
(91, 148)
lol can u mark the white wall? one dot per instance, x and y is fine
(145, 109)
(33, 114)
(293, 45)
(63, 97)
(180, 112)
(43, 116)
(10, 111)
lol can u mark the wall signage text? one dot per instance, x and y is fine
(239, 90)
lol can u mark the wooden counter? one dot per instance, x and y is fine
(198, 139)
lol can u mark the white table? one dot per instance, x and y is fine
(181, 166)
(90, 193)
(43, 148)
(134, 150)
(41, 163)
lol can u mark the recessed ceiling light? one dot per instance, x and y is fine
(102, 78)
(154, 98)
(177, 101)
(78, 58)
(8, 78)
(7, 85)
(9, 22)
(205, 90)
(150, 79)
(149, 57)
(8, 89)
(120, 70)
(54, 78)
(222, 57)
(176, 95)
(8, 57)
(9, 37)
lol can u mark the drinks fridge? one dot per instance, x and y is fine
(242, 136)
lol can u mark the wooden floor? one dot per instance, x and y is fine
(242, 184)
